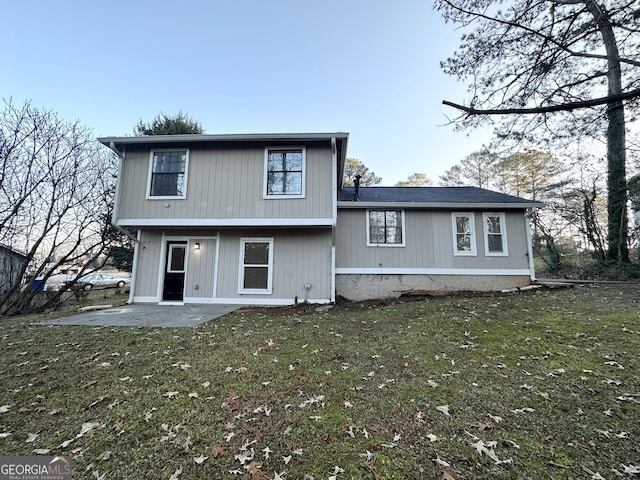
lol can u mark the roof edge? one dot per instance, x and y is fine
(440, 205)
(201, 138)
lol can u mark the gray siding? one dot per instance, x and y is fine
(300, 256)
(429, 243)
(149, 250)
(225, 184)
(201, 268)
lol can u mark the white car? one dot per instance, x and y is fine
(97, 280)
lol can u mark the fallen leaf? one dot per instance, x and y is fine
(446, 475)
(200, 460)
(219, 451)
(495, 418)
(4, 408)
(31, 437)
(631, 469)
(176, 474)
(444, 409)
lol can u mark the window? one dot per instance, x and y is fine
(176, 258)
(256, 262)
(168, 174)
(495, 235)
(464, 235)
(385, 228)
(284, 173)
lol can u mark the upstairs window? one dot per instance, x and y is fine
(495, 234)
(284, 173)
(168, 174)
(385, 228)
(464, 235)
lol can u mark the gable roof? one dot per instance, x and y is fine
(431, 197)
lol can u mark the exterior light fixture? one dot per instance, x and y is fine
(196, 246)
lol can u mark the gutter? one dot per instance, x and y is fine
(527, 231)
(334, 213)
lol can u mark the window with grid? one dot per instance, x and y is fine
(256, 265)
(168, 173)
(495, 234)
(285, 172)
(464, 241)
(385, 227)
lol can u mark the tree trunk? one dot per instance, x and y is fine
(616, 142)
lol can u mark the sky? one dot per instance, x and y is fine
(367, 67)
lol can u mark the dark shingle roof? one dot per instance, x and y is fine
(433, 197)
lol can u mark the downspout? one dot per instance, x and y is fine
(334, 222)
(527, 230)
(114, 221)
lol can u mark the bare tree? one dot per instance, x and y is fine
(56, 192)
(560, 69)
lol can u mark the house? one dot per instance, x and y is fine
(11, 265)
(395, 240)
(263, 219)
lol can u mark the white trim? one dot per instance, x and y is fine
(247, 301)
(150, 174)
(142, 299)
(433, 271)
(255, 291)
(503, 234)
(172, 247)
(162, 270)
(216, 265)
(226, 222)
(334, 214)
(403, 229)
(174, 303)
(527, 233)
(231, 301)
(265, 195)
(454, 225)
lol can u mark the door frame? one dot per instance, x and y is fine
(162, 270)
(162, 265)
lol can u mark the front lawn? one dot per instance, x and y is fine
(538, 385)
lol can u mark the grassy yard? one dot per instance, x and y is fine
(540, 385)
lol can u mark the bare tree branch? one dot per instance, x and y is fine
(549, 109)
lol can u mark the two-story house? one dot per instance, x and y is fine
(263, 219)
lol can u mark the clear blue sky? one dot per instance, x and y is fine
(367, 67)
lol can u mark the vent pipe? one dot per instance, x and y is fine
(356, 187)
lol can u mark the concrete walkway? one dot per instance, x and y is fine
(148, 316)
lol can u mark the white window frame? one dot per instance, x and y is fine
(503, 233)
(255, 291)
(265, 192)
(403, 229)
(454, 225)
(172, 247)
(150, 175)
